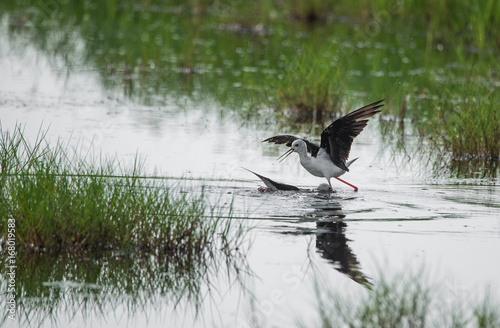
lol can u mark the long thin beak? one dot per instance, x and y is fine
(285, 155)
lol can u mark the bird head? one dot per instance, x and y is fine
(297, 146)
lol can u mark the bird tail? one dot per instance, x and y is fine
(348, 163)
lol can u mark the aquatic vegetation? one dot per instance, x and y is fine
(458, 122)
(404, 300)
(61, 201)
(270, 66)
(97, 235)
(467, 121)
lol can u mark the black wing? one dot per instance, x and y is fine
(312, 148)
(337, 138)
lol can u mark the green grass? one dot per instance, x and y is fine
(405, 301)
(456, 115)
(467, 121)
(63, 202)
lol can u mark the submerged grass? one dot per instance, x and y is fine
(404, 301)
(61, 202)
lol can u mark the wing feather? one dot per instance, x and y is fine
(287, 139)
(337, 138)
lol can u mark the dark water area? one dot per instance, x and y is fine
(191, 95)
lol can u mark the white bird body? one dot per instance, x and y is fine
(329, 159)
(321, 165)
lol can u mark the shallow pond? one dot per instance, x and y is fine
(399, 221)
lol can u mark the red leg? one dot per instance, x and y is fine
(347, 183)
(330, 185)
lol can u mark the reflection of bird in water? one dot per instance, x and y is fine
(331, 243)
(329, 159)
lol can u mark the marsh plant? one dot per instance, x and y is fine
(458, 122)
(93, 235)
(467, 121)
(61, 201)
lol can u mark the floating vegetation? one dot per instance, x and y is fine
(62, 202)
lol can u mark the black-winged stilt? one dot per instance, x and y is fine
(273, 185)
(329, 160)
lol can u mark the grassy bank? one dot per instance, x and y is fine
(60, 201)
